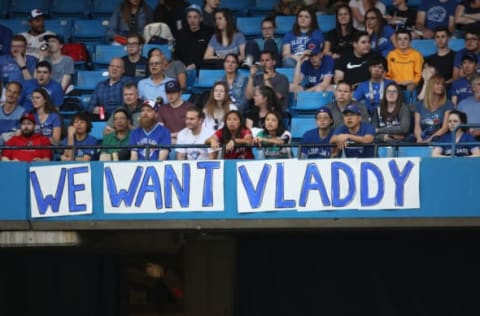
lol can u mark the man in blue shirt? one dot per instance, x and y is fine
(434, 13)
(461, 89)
(472, 45)
(320, 135)
(354, 131)
(10, 111)
(17, 66)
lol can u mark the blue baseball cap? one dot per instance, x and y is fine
(324, 110)
(194, 7)
(352, 108)
(314, 46)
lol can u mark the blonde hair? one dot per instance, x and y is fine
(429, 101)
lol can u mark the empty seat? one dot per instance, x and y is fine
(238, 7)
(287, 72)
(300, 125)
(105, 53)
(89, 30)
(284, 23)
(22, 8)
(88, 79)
(425, 46)
(312, 101)
(456, 44)
(250, 26)
(62, 27)
(68, 8)
(16, 25)
(326, 22)
(263, 7)
(207, 77)
(102, 8)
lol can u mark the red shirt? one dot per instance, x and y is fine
(27, 154)
(238, 152)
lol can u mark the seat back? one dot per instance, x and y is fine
(163, 47)
(327, 22)
(67, 8)
(312, 101)
(300, 125)
(425, 46)
(88, 79)
(105, 53)
(208, 77)
(284, 24)
(250, 26)
(94, 30)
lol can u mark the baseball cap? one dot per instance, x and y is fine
(470, 56)
(173, 86)
(324, 110)
(314, 46)
(28, 116)
(151, 104)
(35, 13)
(352, 108)
(55, 36)
(194, 7)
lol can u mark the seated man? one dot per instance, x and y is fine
(44, 80)
(354, 131)
(36, 33)
(135, 64)
(27, 137)
(78, 135)
(320, 135)
(120, 137)
(471, 105)
(17, 66)
(153, 87)
(150, 133)
(194, 133)
(132, 104)
(267, 42)
(10, 111)
(63, 66)
(472, 45)
(314, 70)
(460, 88)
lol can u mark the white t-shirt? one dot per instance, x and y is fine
(185, 136)
(210, 122)
(34, 42)
(359, 5)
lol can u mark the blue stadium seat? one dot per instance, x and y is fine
(105, 53)
(163, 47)
(287, 72)
(102, 8)
(263, 7)
(327, 22)
(61, 26)
(4, 8)
(16, 25)
(456, 44)
(250, 26)
(312, 101)
(414, 151)
(97, 130)
(68, 8)
(89, 30)
(152, 3)
(300, 125)
(284, 23)
(425, 46)
(239, 8)
(207, 77)
(87, 80)
(22, 8)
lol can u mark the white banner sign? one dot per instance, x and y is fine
(328, 184)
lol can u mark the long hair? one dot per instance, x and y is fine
(338, 27)
(428, 102)
(231, 27)
(280, 128)
(380, 23)
(313, 23)
(212, 103)
(226, 133)
(49, 106)
(273, 103)
(126, 9)
(387, 116)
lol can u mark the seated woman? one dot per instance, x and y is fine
(217, 105)
(130, 16)
(462, 137)
(172, 68)
(78, 135)
(48, 121)
(320, 135)
(274, 134)
(265, 100)
(340, 40)
(233, 133)
(431, 113)
(359, 7)
(236, 81)
(392, 118)
(382, 35)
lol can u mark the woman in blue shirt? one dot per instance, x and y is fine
(130, 17)
(382, 35)
(236, 81)
(48, 121)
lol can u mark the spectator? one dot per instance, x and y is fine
(135, 64)
(191, 42)
(462, 137)
(427, 73)
(236, 81)
(467, 14)
(268, 42)
(382, 35)
(431, 113)
(194, 133)
(272, 135)
(340, 40)
(44, 80)
(17, 66)
(78, 135)
(120, 137)
(153, 87)
(150, 133)
(471, 105)
(6, 35)
(35, 35)
(461, 87)
(63, 66)
(232, 136)
(353, 66)
(217, 105)
(314, 70)
(265, 100)
(343, 98)
(402, 16)
(295, 41)
(443, 58)
(172, 13)
(354, 131)
(435, 13)
(405, 63)
(287, 7)
(320, 135)
(10, 111)
(392, 118)
(371, 92)
(48, 120)
(131, 104)
(264, 74)
(108, 93)
(226, 39)
(27, 137)
(209, 9)
(472, 45)
(130, 17)
(172, 114)
(174, 69)
(359, 7)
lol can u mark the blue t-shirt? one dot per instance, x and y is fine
(234, 47)
(87, 141)
(53, 88)
(361, 151)
(431, 122)
(10, 122)
(46, 128)
(384, 45)
(461, 89)
(457, 60)
(437, 13)
(159, 135)
(370, 93)
(460, 150)
(314, 76)
(299, 43)
(313, 137)
(10, 70)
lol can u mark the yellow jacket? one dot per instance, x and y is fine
(404, 66)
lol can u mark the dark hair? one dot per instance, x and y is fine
(151, 50)
(442, 28)
(463, 118)
(377, 60)
(17, 83)
(313, 24)
(83, 116)
(269, 52)
(226, 134)
(280, 128)
(49, 106)
(383, 103)
(346, 83)
(358, 35)
(129, 86)
(126, 9)
(140, 38)
(338, 28)
(19, 38)
(234, 56)
(44, 64)
(270, 19)
(231, 27)
(124, 111)
(403, 31)
(196, 109)
(273, 104)
(380, 23)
